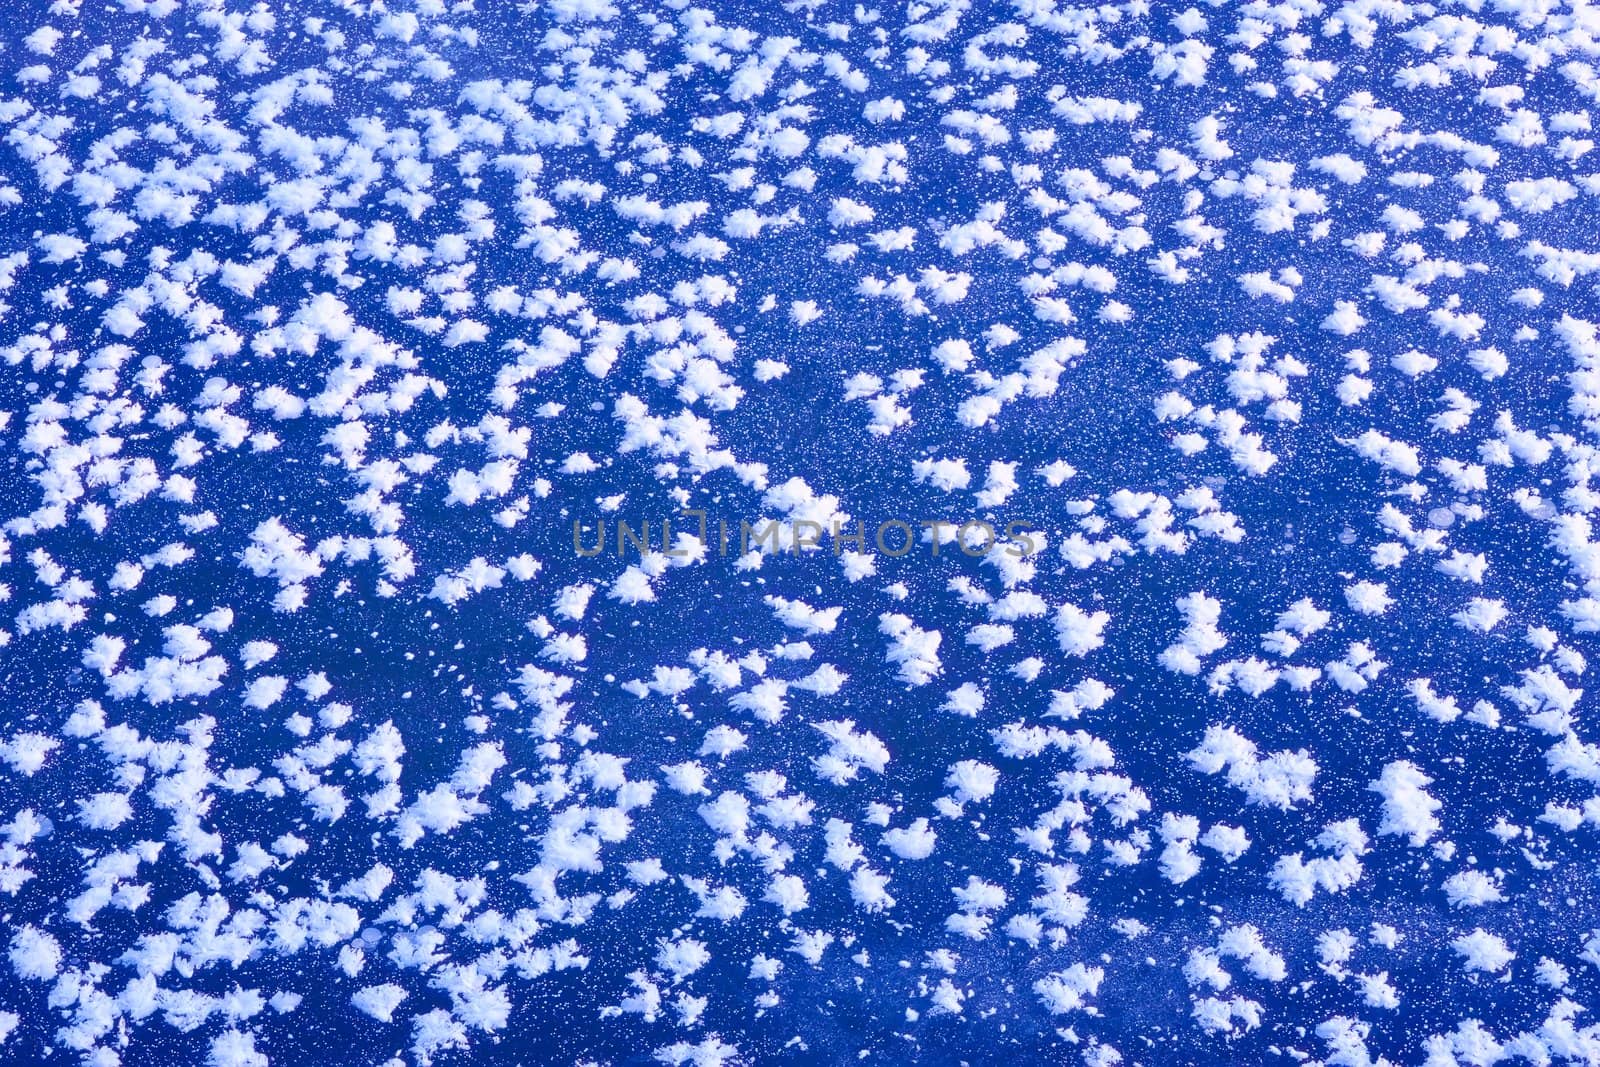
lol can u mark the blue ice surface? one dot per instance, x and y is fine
(1311, 528)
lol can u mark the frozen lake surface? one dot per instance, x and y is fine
(1191, 413)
